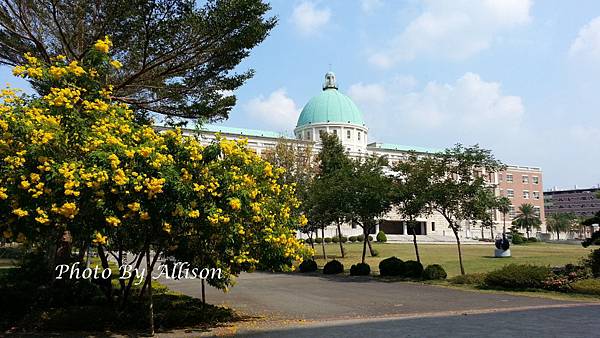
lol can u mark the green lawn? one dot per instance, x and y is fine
(476, 257)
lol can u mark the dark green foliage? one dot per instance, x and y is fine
(517, 238)
(470, 279)
(179, 56)
(532, 240)
(370, 238)
(375, 253)
(381, 237)
(344, 239)
(593, 262)
(413, 269)
(318, 240)
(587, 286)
(308, 265)
(360, 269)
(353, 239)
(333, 267)
(327, 239)
(391, 267)
(434, 271)
(518, 277)
(335, 239)
(360, 238)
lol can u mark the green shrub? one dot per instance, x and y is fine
(587, 286)
(370, 238)
(470, 278)
(518, 276)
(360, 269)
(360, 238)
(318, 240)
(327, 239)
(375, 253)
(593, 262)
(517, 238)
(434, 271)
(335, 239)
(392, 266)
(308, 265)
(309, 241)
(344, 239)
(352, 239)
(333, 267)
(532, 239)
(381, 237)
(413, 269)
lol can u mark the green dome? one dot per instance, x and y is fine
(330, 106)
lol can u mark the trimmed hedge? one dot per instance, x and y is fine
(360, 269)
(333, 267)
(327, 239)
(381, 237)
(587, 286)
(360, 238)
(518, 276)
(392, 266)
(517, 239)
(593, 262)
(344, 239)
(318, 240)
(532, 240)
(308, 265)
(470, 278)
(413, 269)
(434, 271)
(352, 239)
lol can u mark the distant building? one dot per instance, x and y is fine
(581, 202)
(522, 185)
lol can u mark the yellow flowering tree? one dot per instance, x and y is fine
(74, 160)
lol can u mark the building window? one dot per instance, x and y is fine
(535, 180)
(335, 132)
(500, 177)
(348, 134)
(432, 226)
(308, 135)
(525, 179)
(510, 193)
(526, 194)
(536, 195)
(511, 211)
(536, 211)
(509, 178)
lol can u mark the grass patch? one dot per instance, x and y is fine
(477, 258)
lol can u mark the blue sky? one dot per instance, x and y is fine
(519, 77)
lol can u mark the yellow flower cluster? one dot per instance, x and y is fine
(103, 45)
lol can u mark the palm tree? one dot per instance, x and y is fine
(504, 208)
(560, 222)
(527, 218)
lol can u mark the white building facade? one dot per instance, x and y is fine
(333, 112)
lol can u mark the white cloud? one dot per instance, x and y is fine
(308, 19)
(468, 106)
(587, 43)
(370, 5)
(277, 110)
(453, 29)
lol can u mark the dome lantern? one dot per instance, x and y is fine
(329, 81)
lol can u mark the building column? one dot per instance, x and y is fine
(404, 232)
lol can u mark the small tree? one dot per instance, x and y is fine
(527, 218)
(504, 208)
(411, 190)
(458, 181)
(369, 196)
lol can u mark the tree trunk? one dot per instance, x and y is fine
(150, 305)
(340, 239)
(460, 262)
(106, 284)
(370, 246)
(491, 232)
(310, 237)
(558, 235)
(203, 292)
(503, 225)
(149, 275)
(323, 243)
(482, 236)
(416, 247)
(364, 253)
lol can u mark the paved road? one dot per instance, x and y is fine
(572, 322)
(299, 305)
